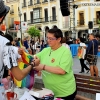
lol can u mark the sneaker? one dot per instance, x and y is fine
(88, 71)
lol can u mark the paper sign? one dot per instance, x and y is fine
(97, 96)
(27, 96)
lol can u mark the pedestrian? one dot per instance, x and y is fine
(64, 42)
(56, 66)
(82, 47)
(7, 55)
(91, 54)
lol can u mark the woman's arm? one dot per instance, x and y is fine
(55, 70)
(20, 74)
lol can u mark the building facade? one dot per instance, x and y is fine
(46, 14)
(87, 11)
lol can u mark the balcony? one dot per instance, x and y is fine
(52, 0)
(38, 20)
(66, 24)
(45, 19)
(80, 22)
(36, 3)
(53, 18)
(96, 21)
(8, 1)
(30, 3)
(45, 1)
(12, 11)
(24, 5)
(11, 26)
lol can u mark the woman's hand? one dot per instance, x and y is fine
(39, 67)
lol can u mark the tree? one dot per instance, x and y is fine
(33, 32)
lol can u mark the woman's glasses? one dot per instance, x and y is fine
(51, 39)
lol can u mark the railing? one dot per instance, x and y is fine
(96, 21)
(11, 11)
(66, 24)
(80, 22)
(44, 1)
(24, 4)
(53, 18)
(11, 1)
(38, 20)
(42, 20)
(45, 19)
(37, 3)
(30, 3)
(52, 0)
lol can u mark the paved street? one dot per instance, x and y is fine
(77, 66)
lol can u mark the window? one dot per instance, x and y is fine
(37, 15)
(12, 23)
(53, 13)
(81, 18)
(24, 2)
(31, 16)
(12, 9)
(46, 15)
(25, 19)
(98, 17)
(38, 1)
(31, 2)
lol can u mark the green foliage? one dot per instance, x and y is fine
(33, 31)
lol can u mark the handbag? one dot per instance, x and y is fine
(90, 57)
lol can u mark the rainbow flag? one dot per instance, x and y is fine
(27, 58)
(28, 81)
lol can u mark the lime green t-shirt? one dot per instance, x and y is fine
(61, 85)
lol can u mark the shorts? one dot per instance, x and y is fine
(94, 61)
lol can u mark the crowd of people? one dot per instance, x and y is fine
(53, 58)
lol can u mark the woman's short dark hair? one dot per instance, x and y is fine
(56, 32)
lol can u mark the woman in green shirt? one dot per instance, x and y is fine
(56, 66)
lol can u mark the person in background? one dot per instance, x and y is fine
(18, 42)
(42, 45)
(56, 66)
(25, 43)
(83, 48)
(64, 43)
(37, 43)
(7, 54)
(92, 49)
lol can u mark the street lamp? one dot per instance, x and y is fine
(20, 14)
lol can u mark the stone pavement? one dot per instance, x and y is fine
(77, 66)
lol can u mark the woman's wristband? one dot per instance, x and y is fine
(44, 67)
